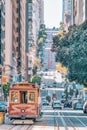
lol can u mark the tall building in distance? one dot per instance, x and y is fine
(85, 9)
(2, 31)
(80, 11)
(48, 57)
(34, 18)
(18, 36)
(23, 35)
(16, 43)
(20, 22)
(8, 40)
(68, 12)
(2, 39)
(41, 11)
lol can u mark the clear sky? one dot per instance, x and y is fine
(52, 13)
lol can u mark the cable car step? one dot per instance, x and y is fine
(22, 121)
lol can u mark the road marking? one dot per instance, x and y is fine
(64, 123)
(63, 116)
(82, 123)
(60, 89)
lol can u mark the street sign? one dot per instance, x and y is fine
(4, 79)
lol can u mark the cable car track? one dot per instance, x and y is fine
(67, 124)
(21, 127)
(55, 122)
(71, 123)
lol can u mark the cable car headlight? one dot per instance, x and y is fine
(22, 110)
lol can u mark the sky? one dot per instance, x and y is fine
(52, 13)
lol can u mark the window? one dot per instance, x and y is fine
(31, 97)
(17, 1)
(23, 96)
(14, 96)
(17, 39)
(17, 29)
(17, 10)
(17, 20)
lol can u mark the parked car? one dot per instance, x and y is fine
(85, 107)
(57, 105)
(75, 101)
(78, 106)
(45, 103)
(3, 106)
(67, 104)
(63, 100)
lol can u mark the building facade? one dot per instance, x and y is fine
(8, 40)
(78, 7)
(67, 14)
(34, 18)
(18, 37)
(20, 21)
(80, 11)
(16, 44)
(2, 31)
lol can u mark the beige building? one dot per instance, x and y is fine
(8, 39)
(22, 34)
(21, 16)
(80, 11)
(15, 13)
(18, 36)
(67, 13)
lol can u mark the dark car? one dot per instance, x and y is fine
(45, 103)
(67, 104)
(85, 107)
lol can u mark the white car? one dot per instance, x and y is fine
(57, 105)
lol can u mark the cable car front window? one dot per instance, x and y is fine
(31, 97)
(14, 96)
(23, 96)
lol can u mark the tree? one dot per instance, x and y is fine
(6, 90)
(72, 53)
(36, 79)
(37, 64)
(56, 40)
(61, 26)
(62, 69)
(41, 38)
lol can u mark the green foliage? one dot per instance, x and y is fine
(55, 43)
(36, 79)
(72, 52)
(61, 26)
(42, 34)
(6, 90)
(41, 38)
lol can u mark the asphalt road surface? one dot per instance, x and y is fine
(66, 119)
